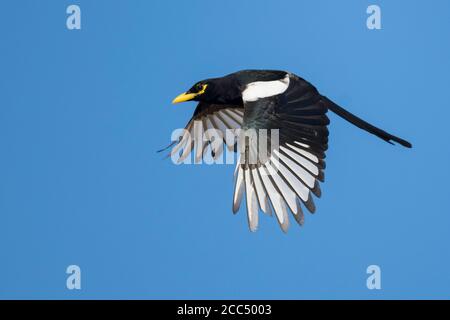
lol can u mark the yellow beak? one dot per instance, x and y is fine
(184, 97)
(189, 96)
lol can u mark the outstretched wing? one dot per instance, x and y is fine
(291, 174)
(208, 116)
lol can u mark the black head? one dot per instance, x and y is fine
(218, 90)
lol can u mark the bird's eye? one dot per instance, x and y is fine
(199, 86)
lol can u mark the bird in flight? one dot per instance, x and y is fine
(288, 175)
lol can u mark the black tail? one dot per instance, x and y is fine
(365, 125)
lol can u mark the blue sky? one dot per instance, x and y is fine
(82, 113)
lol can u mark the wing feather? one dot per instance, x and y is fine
(291, 175)
(208, 116)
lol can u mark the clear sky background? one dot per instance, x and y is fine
(82, 114)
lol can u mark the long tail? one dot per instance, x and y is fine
(365, 125)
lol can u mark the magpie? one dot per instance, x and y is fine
(288, 177)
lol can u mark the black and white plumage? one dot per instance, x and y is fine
(274, 100)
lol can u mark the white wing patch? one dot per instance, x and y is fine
(263, 89)
(283, 183)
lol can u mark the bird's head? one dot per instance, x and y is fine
(218, 90)
(198, 92)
